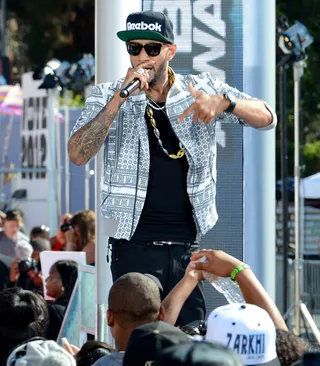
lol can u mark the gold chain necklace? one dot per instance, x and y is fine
(180, 153)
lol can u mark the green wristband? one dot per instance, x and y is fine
(238, 270)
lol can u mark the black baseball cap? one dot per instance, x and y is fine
(151, 25)
(198, 354)
(148, 341)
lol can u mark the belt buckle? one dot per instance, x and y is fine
(161, 243)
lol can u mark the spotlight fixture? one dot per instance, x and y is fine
(54, 73)
(82, 72)
(292, 41)
(63, 74)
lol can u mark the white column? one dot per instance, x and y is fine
(52, 168)
(259, 146)
(87, 186)
(66, 138)
(58, 151)
(112, 62)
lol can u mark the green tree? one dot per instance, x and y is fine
(44, 29)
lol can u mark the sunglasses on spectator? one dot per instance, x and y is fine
(152, 49)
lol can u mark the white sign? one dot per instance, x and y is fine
(34, 151)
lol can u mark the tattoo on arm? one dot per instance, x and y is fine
(87, 141)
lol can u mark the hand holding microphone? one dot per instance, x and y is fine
(139, 80)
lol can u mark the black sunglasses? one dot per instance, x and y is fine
(152, 49)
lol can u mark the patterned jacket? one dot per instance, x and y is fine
(126, 159)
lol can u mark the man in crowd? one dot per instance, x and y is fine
(159, 179)
(134, 300)
(2, 217)
(11, 233)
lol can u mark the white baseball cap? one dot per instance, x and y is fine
(40, 352)
(248, 330)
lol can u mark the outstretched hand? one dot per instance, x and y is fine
(218, 262)
(205, 107)
(193, 273)
(70, 348)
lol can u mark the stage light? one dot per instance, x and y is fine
(49, 82)
(51, 66)
(296, 39)
(53, 73)
(63, 74)
(82, 72)
(291, 41)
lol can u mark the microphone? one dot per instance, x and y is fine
(130, 88)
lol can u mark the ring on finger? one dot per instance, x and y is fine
(140, 71)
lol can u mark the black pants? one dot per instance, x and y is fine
(167, 263)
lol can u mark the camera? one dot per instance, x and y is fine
(24, 252)
(66, 226)
(27, 265)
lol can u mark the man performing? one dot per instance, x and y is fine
(159, 170)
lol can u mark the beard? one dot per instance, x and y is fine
(158, 74)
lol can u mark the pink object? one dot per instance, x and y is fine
(11, 100)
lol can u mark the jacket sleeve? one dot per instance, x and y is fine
(214, 86)
(99, 96)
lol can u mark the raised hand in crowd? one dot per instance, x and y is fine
(219, 263)
(81, 234)
(14, 271)
(175, 300)
(58, 241)
(222, 264)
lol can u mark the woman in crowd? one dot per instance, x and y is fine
(23, 315)
(82, 237)
(59, 286)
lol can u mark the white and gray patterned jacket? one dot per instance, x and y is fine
(126, 161)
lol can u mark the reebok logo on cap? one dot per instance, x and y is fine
(144, 26)
(149, 25)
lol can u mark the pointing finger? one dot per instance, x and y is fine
(194, 92)
(186, 112)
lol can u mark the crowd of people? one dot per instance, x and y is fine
(20, 265)
(158, 198)
(143, 325)
(142, 318)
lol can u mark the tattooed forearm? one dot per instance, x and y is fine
(87, 141)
